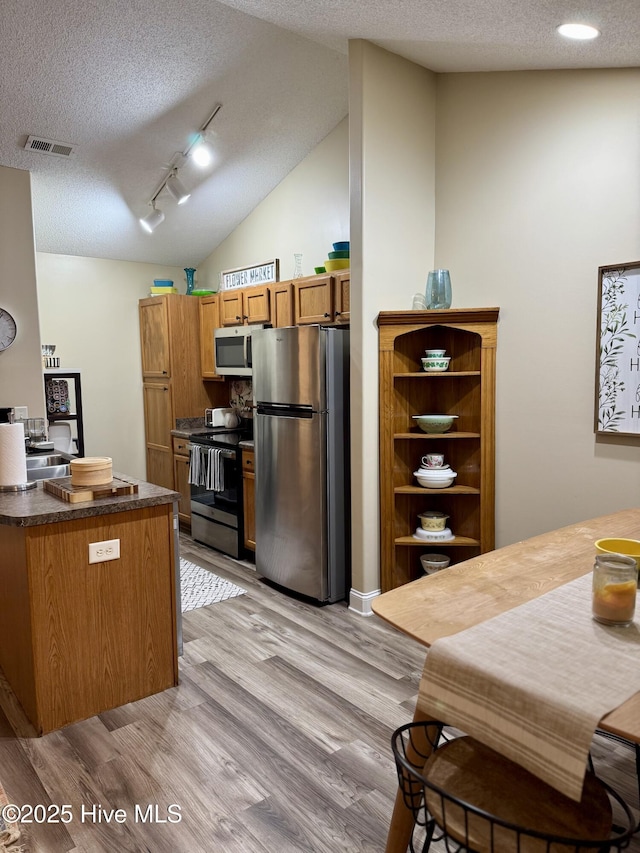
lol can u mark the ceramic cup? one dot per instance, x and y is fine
(433, 460)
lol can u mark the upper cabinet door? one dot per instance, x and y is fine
(154, 337)
(281, 304)
(231, 308)
(313, 300)
(209, 320)
(256, 304)
(342, 296)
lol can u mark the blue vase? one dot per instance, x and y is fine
(190, 272)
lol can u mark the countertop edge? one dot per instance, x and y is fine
(35, 507)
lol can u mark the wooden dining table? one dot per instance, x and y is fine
(469, 593)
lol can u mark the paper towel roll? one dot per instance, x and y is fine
(13, 457)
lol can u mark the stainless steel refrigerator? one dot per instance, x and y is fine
(301, 436)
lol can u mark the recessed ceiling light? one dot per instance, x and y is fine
(581, 32)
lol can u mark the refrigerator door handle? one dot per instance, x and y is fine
(284, 410)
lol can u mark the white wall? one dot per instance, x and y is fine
(21, 364)
(392, 157)
(307, 212)
(538, 184)
(89, 310)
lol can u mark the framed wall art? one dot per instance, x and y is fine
(265, 273)
(617, 408)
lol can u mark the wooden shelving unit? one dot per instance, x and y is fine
(467, 389)
(75, 397)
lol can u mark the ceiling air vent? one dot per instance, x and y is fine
(49, 146)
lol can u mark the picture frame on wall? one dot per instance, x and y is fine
(267, 272)
(617, 398)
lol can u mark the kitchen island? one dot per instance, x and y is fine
(78, 638)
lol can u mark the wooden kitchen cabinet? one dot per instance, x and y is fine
(466, 389)
(172, 382)
(209, 312)
(313, 299)
(281, 304)
(322, 299)
(249, 498)
(77, 639)
(155, 337)
(181, 479)
(342, 296)
(244, 306)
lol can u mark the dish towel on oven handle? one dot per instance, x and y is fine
(195, 466)
(215, 470)
(206, 468)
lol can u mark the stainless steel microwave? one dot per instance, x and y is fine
(232, 349)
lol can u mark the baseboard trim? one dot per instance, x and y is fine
(360, 602)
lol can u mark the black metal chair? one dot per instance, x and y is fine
(467, 795)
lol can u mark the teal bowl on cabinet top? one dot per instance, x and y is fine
(342, 246)
(344, 253)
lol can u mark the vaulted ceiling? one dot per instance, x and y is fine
(128, 82)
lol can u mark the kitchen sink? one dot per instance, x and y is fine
(45, 461)
(48, 472)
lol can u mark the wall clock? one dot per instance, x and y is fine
(8, 329)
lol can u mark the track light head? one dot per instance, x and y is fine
(176, 188)
(151, 221)
(201, 153)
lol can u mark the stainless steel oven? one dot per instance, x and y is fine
(215, 474)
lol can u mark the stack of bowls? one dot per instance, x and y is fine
(339, 258)
(435, 360)
(162, 286)
(435, 478)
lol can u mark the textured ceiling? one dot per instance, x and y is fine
(128, 82)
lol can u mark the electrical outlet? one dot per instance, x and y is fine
(21, 413)
(100, 552)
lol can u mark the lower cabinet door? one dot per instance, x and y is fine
(181, 478)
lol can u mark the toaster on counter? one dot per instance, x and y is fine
(215, 417)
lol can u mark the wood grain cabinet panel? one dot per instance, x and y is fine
(154, 325)
(342, 297)
(209, 313)
(249, 498)
(181, 479)
(231, 308)
(313, 300)
(171, 325)
(93, 636)
(281, 304)
(466, 389)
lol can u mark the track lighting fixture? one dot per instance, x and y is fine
(201, 153)
(153, 219)
(176, 188)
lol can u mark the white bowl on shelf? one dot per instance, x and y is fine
(434, 424)
(435, 478)
(433, 535)
(436, 365)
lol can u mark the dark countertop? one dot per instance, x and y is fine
(35, 506)
(246, 445)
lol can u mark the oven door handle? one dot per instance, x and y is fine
(226, 454)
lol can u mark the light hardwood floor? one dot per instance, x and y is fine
(276, 739)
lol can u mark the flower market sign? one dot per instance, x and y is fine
(618, 351)
(265, 273)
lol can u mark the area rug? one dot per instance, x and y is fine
(199, 587)
(9, 831)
